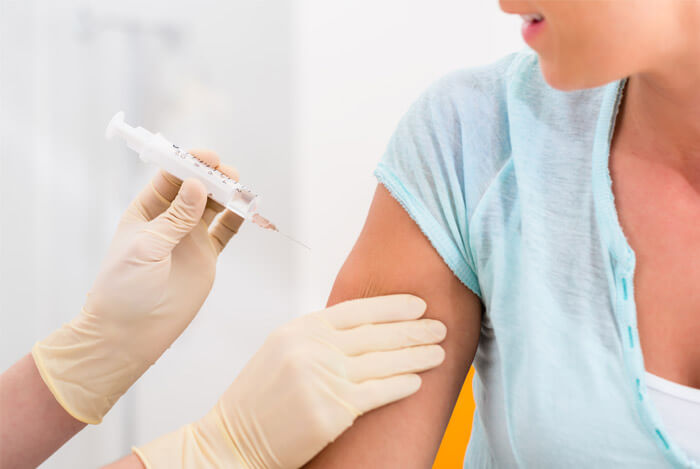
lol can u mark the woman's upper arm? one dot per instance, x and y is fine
(393, 256)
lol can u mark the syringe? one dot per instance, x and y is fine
(156, 149)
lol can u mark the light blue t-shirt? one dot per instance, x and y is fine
(509, 180)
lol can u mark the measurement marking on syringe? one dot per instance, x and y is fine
(196, 162)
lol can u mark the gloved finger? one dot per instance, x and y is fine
(229, 171)
(379, 309)
(390, 336)
(156, 197)
(223, 224)
(214, 208)
(375, 393)
(223, 228)
(375, 365)
(179, 219)
(211, 210)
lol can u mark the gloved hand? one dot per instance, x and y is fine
(307, 384)
(157, 273)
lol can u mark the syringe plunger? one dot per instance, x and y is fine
(135, 136)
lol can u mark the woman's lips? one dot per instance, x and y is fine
(531, 29)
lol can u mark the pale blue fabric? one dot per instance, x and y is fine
(508, 178)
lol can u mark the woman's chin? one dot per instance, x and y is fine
(566, 79)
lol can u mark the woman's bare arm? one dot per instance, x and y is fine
(393, 256)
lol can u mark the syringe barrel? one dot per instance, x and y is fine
(156, 149)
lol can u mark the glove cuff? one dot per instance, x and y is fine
(58, 394)
(85, 372)
(204, 444)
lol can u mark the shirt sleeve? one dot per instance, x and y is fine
(424, 171)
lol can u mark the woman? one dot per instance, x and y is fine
(303, 388)
(583, 306)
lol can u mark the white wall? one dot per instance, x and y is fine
(302, 96)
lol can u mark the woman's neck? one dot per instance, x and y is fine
(660, 116)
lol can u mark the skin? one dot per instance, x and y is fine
(33, 424)
(655, 166)
(407, 433)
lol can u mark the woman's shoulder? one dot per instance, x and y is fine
(472, 105)
(471, 87)
(512, 85)
(462, 119)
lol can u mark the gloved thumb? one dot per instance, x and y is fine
(178, 220)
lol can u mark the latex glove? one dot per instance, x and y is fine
(307, 384)
(157, 273)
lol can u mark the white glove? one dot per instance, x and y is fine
(158, 271)
(307, 384)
